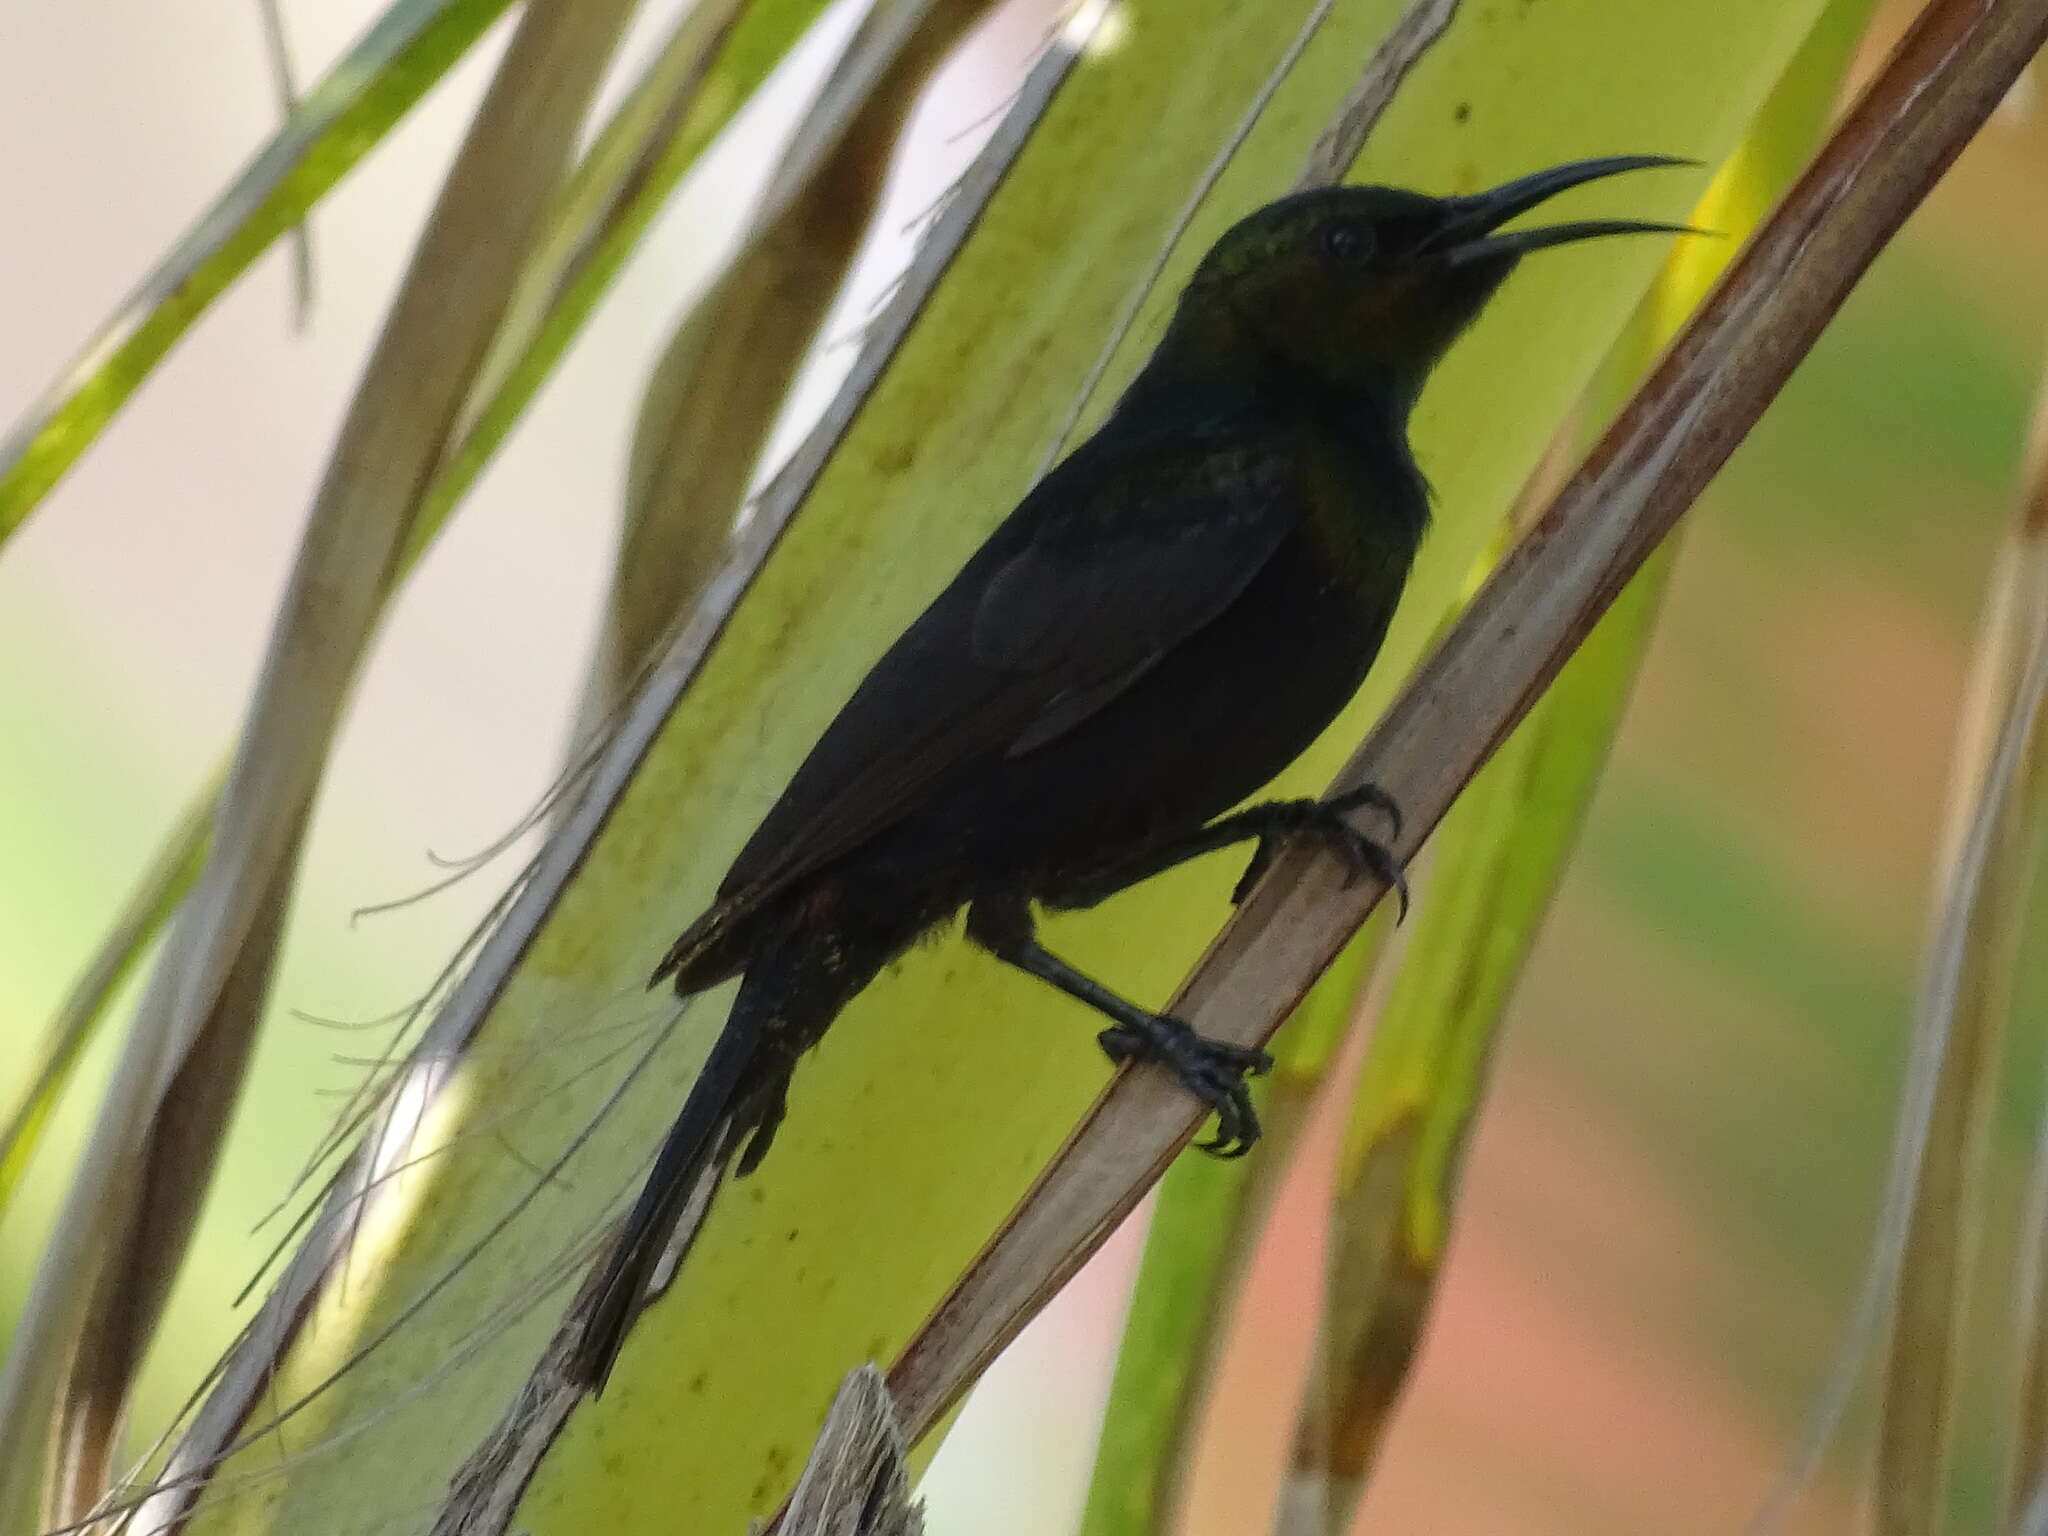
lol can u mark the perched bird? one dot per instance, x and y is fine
(1167, 619)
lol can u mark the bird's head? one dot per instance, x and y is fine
(1365, 288)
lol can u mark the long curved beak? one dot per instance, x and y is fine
(1468, 234)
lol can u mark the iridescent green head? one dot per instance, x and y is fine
(1367, 287)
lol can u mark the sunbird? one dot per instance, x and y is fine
(1166, 621)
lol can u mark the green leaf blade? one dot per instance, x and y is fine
(347, 114)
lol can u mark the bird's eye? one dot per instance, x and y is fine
(1350, 243)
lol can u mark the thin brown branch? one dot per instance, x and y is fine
(1944, 79)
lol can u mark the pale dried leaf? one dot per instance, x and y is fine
(486, 1497)
(615, 170)
(402, 54)
(1965, 1015)
(1958, 1045)
(715, 59)
(716, 392)
(113, 1252)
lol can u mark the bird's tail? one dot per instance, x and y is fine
(692, 1150)
(789, 996)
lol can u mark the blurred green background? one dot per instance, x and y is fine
(1670, 1198)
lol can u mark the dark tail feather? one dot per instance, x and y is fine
(701, 1136)
(795, 985)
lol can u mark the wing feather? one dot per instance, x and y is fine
(1118, 555)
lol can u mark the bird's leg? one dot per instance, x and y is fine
(1211, 1070)
(1272, 823)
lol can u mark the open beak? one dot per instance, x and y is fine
(1468, 234)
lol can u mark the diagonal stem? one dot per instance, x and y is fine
(1947, 74)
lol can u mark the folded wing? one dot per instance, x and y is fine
(1117, 556)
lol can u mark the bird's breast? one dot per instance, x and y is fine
(1364, 519)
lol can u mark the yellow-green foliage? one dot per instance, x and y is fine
(944, 1088)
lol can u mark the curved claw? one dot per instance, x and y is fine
(1371, 858)
(1237, 1130)
(1325, 820)
(1261, 861)
(1363, 854)
(1369, 795)
(1212, 1070)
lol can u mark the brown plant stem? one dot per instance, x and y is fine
(1943, 80)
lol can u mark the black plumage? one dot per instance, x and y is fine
(1164, 622)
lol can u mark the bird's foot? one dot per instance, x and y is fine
(1326, 821)
(1211, 1070)
(1368, 796)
